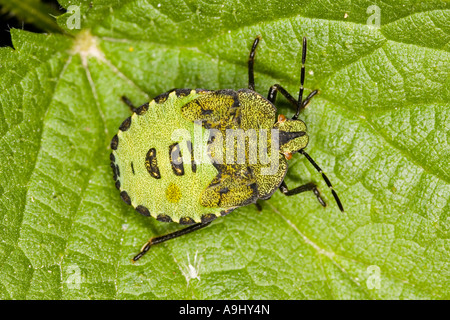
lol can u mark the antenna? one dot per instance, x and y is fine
(302, 81)
(251, 61)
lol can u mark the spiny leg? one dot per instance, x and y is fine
(336, 198)
(251, 60)
(311, 186)
(169, 236)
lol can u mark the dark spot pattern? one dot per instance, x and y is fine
(224, 190)
(125, 197)
(113, 167)
(176, 159)
(142, 109)
(208, 217)
(182, 92)
(143, 210)
(152, 164)
(206, 112)
(186, 220)
(163, 97)
(191, 151)
(114, 142)
(125, 124)
(163, 218)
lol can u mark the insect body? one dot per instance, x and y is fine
(190, 156)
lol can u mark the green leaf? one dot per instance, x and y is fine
(379, 128)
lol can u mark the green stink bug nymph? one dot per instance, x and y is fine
(175, 158)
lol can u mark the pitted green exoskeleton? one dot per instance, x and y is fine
(160, 173)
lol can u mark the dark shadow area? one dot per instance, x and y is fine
(9, 20)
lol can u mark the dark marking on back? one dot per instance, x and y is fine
(125, 197)
(176, 159)
(217, 109)
(186, 220)
(191, 151)
(143, 210)
(113, 167)
(206, 111)
(224, 190)
(114, 142)
(163, 218)
(142, 109)
(208, 217)
(132, 167)
(163, 97)
(254, 196)
(234, 111)
(125, 124)
(117, 171)
(182, 92)
(285, 136)
(118, 185)
(111, 157)
(152, 164)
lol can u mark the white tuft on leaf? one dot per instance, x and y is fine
(191, 271)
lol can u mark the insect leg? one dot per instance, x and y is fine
(272, 96)
(311, 186)
(169, 236)
(251, 60)
(273, 90)
(325, 178)
(258, 206)
(129, 103)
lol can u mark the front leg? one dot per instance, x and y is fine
(278, 88)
